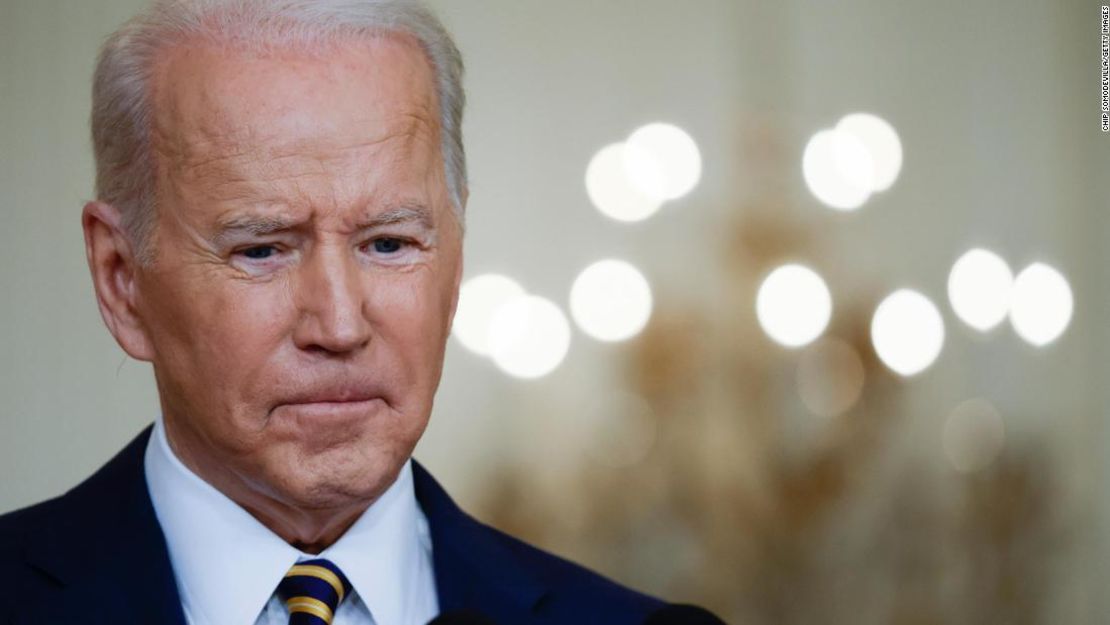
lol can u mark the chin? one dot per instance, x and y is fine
(326, 499)
(341, 484)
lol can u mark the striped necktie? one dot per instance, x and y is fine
(312, 590)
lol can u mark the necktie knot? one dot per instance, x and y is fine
(312, 590)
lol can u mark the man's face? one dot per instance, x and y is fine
(307, 265)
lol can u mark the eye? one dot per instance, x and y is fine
(388, 245)
(259, 252)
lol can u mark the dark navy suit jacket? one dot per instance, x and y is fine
(97, 555)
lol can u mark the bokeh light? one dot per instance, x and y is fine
(830, 377)
(611, 300)
(662, 161)
(624, 429)
(1041, 306)
(610, 190)
(479, 299)
(529, 337)
(793, 305)
(882, 144)
(979, 289)
(907, 332)
(973, 436)
(838, 169)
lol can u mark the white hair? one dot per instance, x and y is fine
(121, 109)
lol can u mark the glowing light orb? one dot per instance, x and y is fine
(1042, 304)
(838, 169)
(907, 332)
(793, 305)
(529, 337)
(479, 299)
(979, 289)
(610, 190)
(662, 161)
(611, 300)
(882, 144)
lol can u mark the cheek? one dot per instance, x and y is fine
(247, 318)
(412, 317)
(216, 337)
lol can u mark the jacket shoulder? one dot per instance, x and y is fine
(480, 567)
(577, 590)
(89, 509)
(22, 580)
(15, 527)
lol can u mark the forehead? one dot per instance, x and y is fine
(219, 110)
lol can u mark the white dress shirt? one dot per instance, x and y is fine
(228, 565)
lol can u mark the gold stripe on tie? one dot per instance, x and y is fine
(311, 606)
(321, 572)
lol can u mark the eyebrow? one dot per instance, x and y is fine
(259, 225)
(400, 214)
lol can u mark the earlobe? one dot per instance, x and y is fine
(113, 267)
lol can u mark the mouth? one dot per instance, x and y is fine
(330, 411)
(344, 403)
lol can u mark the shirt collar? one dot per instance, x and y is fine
(228, 564)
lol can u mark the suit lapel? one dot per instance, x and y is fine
(106, 551)
(474, 567)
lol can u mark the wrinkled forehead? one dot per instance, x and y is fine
(217, 107)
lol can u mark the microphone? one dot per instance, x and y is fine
(462, 617)
(680, 614)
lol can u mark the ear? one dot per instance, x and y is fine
(113, 268)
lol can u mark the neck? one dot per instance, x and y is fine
(309, 531)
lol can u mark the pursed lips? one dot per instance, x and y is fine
(332, 398)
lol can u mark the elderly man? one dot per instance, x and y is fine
(279, 227)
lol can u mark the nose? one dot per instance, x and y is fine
(331, 294)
